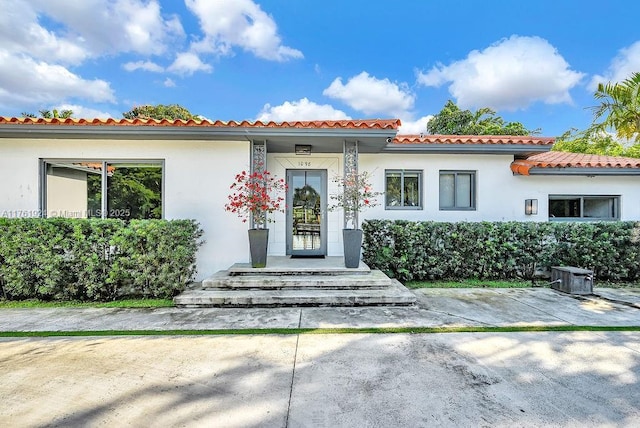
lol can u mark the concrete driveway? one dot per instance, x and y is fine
(373, 380)
(579, 378)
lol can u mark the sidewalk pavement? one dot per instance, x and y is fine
(497, 379)
(473, 307)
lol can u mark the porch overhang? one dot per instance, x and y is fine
(329, 141)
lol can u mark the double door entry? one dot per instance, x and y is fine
(306, 212)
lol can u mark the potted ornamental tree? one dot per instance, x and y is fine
(253, 197)
(355, 193)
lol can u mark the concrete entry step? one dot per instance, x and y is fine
(375, 279)
(395, 294)
(285, 265)
(296, 282)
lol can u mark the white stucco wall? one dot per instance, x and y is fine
(197, 175)
(540, 187)
(67, 193)
(500, 195)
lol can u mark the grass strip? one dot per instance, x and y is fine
(289, 331)
(469, 283)
(123, 304)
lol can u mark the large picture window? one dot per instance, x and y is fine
(457, 190)
(102, 189)
(403, 189)
(577, 207)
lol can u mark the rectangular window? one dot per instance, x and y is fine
(403, 189)
(457, 190)
(562, 207)
(102, 189)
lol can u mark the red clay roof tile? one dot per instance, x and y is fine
(571, 160)
(96, 166)
(473, 139)
(314, 124)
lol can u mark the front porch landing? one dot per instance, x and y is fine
(290, 281)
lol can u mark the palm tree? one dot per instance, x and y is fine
(619, 108)
(48, 114)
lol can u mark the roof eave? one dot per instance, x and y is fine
(186, 132)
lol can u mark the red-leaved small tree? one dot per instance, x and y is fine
(254, 195)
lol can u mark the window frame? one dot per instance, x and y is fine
(402, 172)
(104, 178)
(559, 197)
(455, 173)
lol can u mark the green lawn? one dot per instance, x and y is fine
(470, 283)
(483, 283)
(129, 303)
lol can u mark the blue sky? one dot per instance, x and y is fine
(536, 62)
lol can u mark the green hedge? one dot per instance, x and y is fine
(500, 250)
(96, 260)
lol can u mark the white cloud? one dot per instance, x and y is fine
(112, 26)
(143, 65)
(418, 126)
(372, 96)
(169, 83)
(41, 39)
(83, 112)
(300, 110)
(43, 83)
(187, 63)
(242, 23)
(510, 74)
(626, 62)
(20, 32)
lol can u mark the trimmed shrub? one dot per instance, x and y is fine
(500, 250)
(94, 259)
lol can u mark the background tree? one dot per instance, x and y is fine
(159, 112)
(619, 111)
(589, 142)
(51, 114)
(451, 120)
(133, 192)
(619, 108)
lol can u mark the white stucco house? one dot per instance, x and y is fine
(69, 167)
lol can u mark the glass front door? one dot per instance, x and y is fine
(306, 212)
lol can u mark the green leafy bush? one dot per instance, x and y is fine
(500, 250)
(96, 260)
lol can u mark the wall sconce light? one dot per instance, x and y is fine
(531, 207)
(302, 149)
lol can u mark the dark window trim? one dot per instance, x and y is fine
(420, 205)
(616, 199)
(43, 177)
(455, 207)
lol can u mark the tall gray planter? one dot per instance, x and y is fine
(352, 240)
(258, 242)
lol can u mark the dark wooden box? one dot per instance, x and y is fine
(572, 280)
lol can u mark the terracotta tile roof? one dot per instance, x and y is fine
(562, 160)
(473, 139)
(96, 166)
(391, 124)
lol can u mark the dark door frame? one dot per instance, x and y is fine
(322, 174)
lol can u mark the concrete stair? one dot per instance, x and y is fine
(296, 282)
